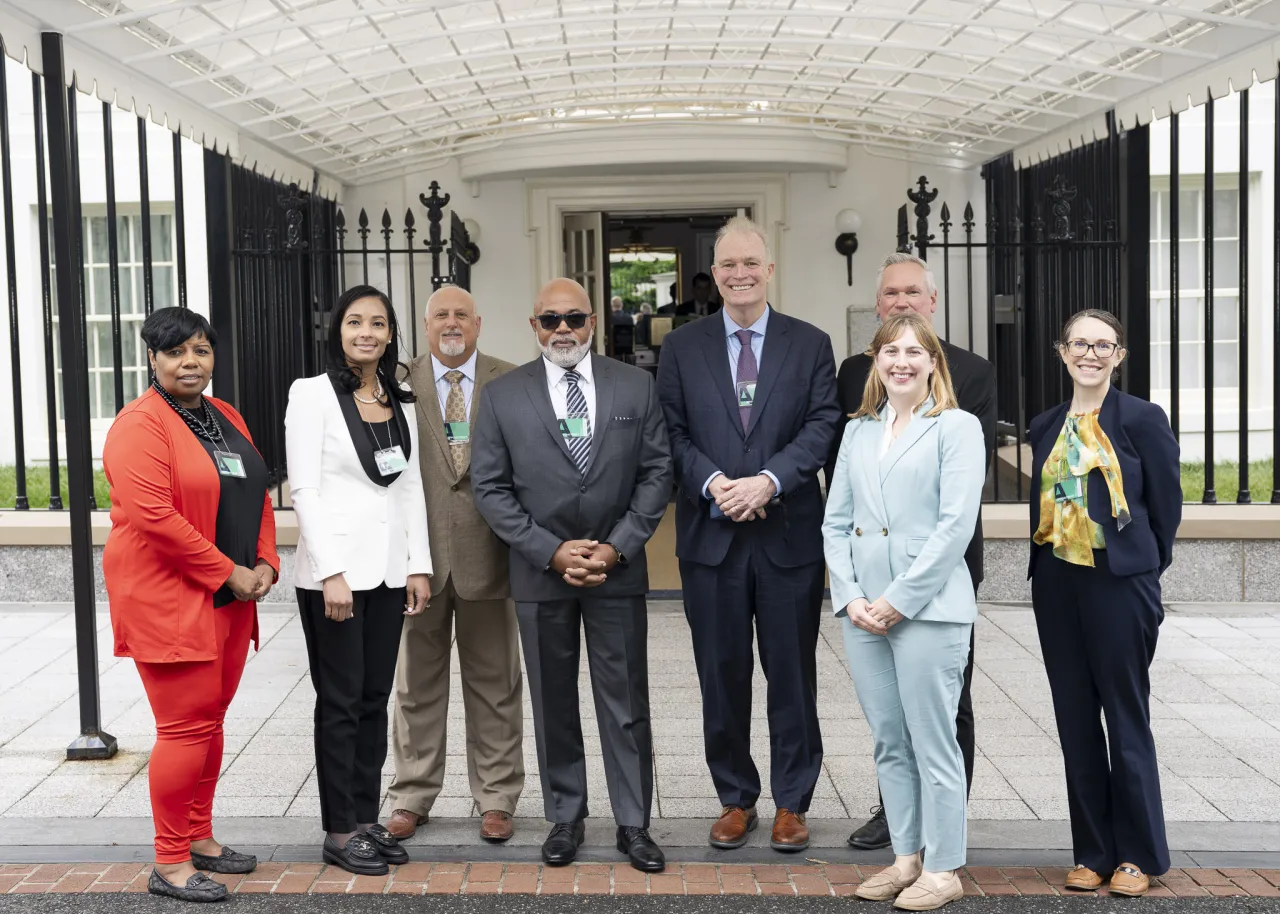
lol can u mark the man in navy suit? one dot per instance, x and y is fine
(749, 397)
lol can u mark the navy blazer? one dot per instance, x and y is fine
(792, 424)
(1152, 474)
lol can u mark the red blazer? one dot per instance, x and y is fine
(160, 563)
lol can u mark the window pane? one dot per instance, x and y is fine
(1226, 213)
(131, 381)
(130, 290)
(124, 238)
(101, 332)
(100, 291)
(1189, 214)
(1190, 270)
(1157, 254)
(1225, 367)
(135, 230)
(1191, 366)
(163, 279)
(161, 238)
(1160, 330)
(1160, 365)
(1191, 319)
(1226, 312)
(1226, 264)
(132, 353)
(97, 239)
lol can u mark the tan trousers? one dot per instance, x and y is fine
(489, 657)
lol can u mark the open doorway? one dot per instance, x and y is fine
(659, 277)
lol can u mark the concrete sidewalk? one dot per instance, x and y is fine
(1216, 710)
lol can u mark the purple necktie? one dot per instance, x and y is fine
(748, 372)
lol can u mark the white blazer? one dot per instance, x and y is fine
(347, 524)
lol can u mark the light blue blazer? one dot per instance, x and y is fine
(898, 526)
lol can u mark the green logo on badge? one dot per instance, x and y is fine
(573, 427)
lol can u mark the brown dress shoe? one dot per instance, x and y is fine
(731, 828)
(790, 834)
(1083, 879)
(1129, 880)
(403, 823)
(496, 826)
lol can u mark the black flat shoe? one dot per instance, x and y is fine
(561, 846)
(360, 856)
(874, 833)
(198, 888)
(387, 845)
(229, 862)
(645, 855)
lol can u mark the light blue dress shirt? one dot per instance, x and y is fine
(734, 347)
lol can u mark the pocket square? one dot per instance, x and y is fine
(624, 418)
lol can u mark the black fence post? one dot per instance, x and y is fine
(15, 347)
(144, 198)
(113, 255)
(92, 743)
(1135, 173)
(179, 220)
(1210, 467)
(218, 245)
(46, 295)
(1243, 496)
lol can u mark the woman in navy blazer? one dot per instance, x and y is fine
(1103, 520)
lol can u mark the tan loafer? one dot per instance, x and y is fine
(403, 823)
(1083, 879)
(496, 826)
(1129, 880)
(886, 884)
(930, 892)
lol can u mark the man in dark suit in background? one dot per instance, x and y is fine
(701, 304)
(750, 402)
(906, 284)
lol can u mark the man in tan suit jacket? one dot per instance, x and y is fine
(469, 591)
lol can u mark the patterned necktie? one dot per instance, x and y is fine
(455, 410)
(579, 448)
(748, 372)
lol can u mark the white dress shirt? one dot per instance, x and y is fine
(468, 369)
(558, 387)
(889, 416)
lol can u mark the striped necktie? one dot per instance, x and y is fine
(579, 448)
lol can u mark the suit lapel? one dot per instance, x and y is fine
(715, 350)
(606, 386)
(915, 430)
(777, 340)
(424, 384)
(536, 387)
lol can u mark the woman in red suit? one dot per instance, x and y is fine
(191, 551)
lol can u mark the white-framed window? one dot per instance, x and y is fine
(97, 296)
(1192, 339)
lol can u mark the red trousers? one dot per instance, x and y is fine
(189, 701)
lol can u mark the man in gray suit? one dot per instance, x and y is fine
(470, 594)
(571, 469)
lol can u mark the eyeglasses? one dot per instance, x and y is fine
(575, 319)
(1102, 348)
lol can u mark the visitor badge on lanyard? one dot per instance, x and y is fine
(457, 432)
(229, 464)
(390, 460)
(573, 427)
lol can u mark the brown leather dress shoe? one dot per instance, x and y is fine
(790, 833)
(731, 829)
(403, 823)
(496, 826)
(1083, 879)
(1129, 880)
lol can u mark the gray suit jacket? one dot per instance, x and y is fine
(462, 544)
(530, 491)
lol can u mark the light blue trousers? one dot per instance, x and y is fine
(908, 683)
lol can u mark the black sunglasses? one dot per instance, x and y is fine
(575, 319)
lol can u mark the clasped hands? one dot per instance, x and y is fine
(742, 499)
(877, 617)
(584, 563)
(248, 585)
(339, 603)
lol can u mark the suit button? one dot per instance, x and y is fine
(884, 531)
(583, 489)
(857, 531)
(454, 487)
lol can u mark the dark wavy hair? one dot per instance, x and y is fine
(346, 376)
(170, 327)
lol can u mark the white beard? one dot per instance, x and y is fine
(452, 346)
(566, 358)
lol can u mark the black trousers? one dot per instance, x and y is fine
(721, 603)
(1098, 634)
(617, 651)
(353, 668)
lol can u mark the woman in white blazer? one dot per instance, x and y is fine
(901, 510)
(362, 564)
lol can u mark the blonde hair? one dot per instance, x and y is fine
(874, 395)
(741, 225)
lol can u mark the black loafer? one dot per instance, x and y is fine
(387, 845)
(360, 856)
(561, 846)
(198, 888)
(229, 862)
(874, 833)
(645, 855)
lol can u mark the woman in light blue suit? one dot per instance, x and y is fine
(902, 507)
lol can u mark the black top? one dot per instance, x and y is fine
(369, 437)
(240, 502)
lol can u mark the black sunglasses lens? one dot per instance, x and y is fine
(575, 319)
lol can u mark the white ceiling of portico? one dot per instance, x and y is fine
(362, 88)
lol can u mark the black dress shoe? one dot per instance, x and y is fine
(360, 856)
(645, 855)
(387, 845)
(229, 862)
(198, 888)
(561, 846)
(874, 834)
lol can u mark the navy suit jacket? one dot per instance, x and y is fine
(792, 424)
(1152, 473)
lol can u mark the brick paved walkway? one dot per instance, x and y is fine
(604, 879)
